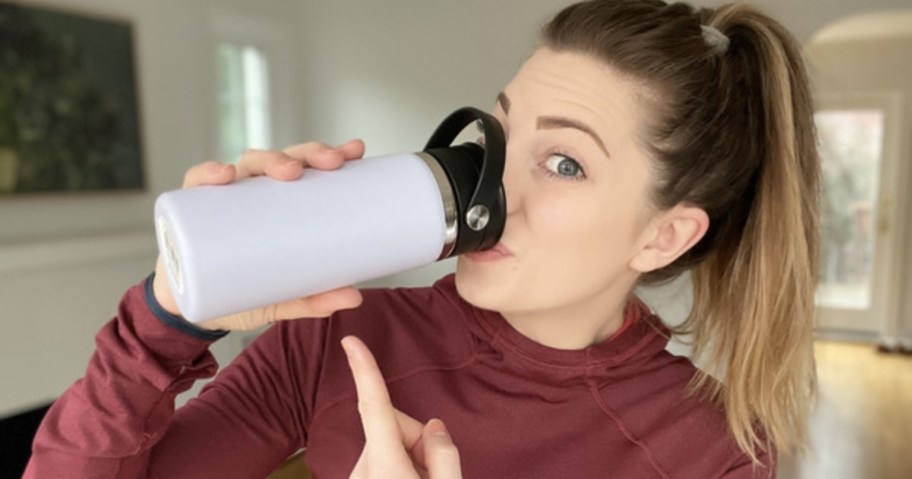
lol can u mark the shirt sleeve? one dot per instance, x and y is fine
(119, 419)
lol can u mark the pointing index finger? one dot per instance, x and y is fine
(378, 417)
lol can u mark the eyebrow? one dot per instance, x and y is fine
(557, 122)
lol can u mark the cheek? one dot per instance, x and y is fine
(585, 225)
(582, 232)
(571, 246)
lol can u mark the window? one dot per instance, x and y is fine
(243, 100)
(851, 144)
(859, 134)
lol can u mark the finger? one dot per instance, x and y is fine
(378, 417)
(209, 173)
(360, 471)
(316, 155)
(411, 430)
(274, 164)
(324, 157)
(319, 305)
(352, 149)
(441, 456)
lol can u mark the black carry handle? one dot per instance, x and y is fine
(482, 213)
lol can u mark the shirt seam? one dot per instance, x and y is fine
(586, 366)
(599, 400)
(353, 394)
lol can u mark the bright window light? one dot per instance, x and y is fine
(243, 100)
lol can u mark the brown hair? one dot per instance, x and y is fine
(731, 131)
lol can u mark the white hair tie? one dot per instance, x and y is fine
(717, 40)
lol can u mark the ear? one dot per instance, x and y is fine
(668, 236)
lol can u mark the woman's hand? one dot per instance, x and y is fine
(397, 445)
(286, 165)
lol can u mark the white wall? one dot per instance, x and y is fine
(386, 71)
(65, 260)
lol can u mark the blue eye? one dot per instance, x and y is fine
(566, 168)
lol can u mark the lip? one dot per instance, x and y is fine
(497, 252)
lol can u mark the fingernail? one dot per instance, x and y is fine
(347, 346)
(436, 428)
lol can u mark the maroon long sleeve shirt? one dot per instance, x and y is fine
(514, 408)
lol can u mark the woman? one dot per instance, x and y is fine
(644, 140)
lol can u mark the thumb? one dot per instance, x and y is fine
(316, 306)
(440, 454)
(319, 305)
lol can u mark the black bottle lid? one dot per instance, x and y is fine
(476, 175)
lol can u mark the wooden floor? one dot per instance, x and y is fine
(862, 427)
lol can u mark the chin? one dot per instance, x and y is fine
(479, 286)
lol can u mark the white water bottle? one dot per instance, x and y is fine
(261, 241)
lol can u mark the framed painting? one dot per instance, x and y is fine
(69, 118)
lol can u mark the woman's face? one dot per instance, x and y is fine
(576, 182)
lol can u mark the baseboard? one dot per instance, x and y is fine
(847, 335)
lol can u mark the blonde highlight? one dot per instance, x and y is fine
(768, 353)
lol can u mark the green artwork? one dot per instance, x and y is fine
(68, 109)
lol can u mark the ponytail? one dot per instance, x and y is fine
(753, 311)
